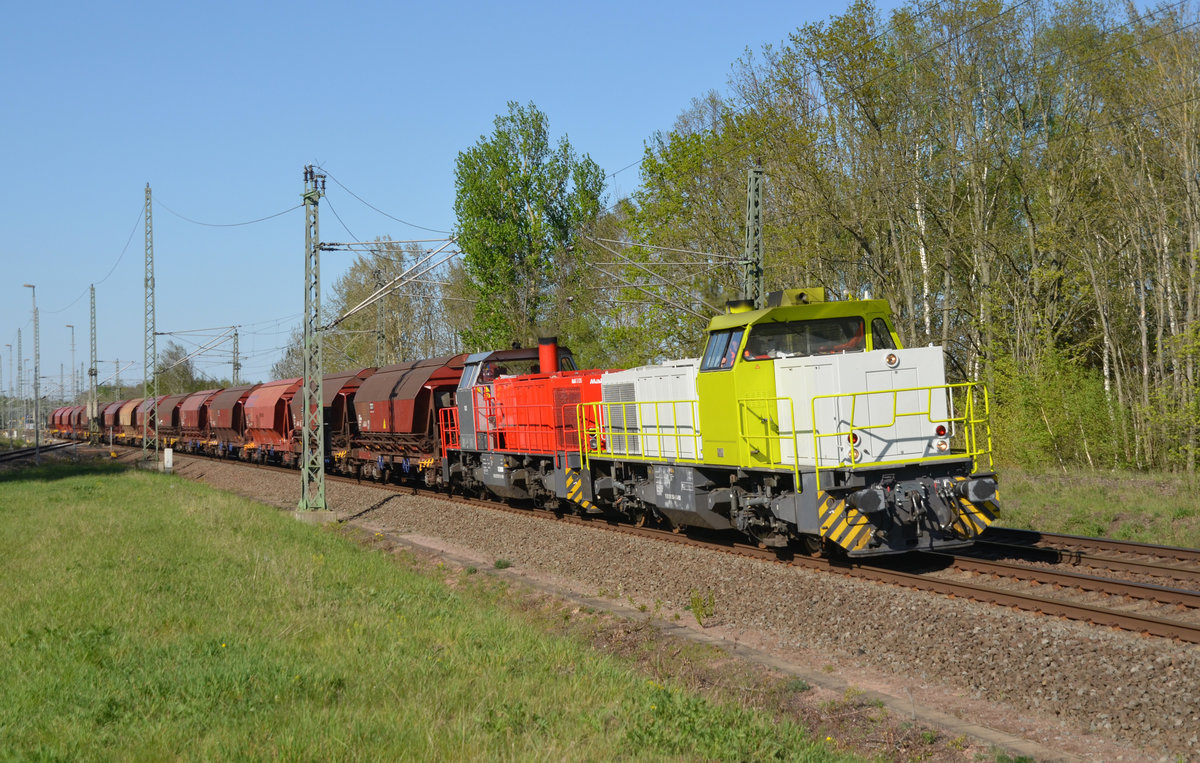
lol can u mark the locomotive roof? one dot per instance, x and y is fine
(520, 353)
(800, 312)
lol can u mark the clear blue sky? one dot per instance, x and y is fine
(219, 106)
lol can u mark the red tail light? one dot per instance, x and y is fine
(941, 430)
(853, 438)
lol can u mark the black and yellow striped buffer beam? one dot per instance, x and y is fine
(974, 518)
(575, 491)
(841, 523)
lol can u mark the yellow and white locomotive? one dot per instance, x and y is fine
(803, 421)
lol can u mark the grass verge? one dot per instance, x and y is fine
(147, 617)
(1151, 508)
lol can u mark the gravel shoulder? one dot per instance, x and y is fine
(1075, 690)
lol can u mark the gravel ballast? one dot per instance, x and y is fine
(1031, 674)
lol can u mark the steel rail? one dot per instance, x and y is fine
(14, 455)
(1082, 558)
(1091, 583)
(1035, 539)
(1129, 621)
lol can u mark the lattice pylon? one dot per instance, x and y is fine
(312, 464)
(150, 356)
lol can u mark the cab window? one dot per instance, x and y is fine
(881, 338)
(722, 349)
(791, 339)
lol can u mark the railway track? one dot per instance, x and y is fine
(1166, 611)
(20, 453)
(1105, 554)
(1082, 544)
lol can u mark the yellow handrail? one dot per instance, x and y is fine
(601, 424)
(767, 437)
(969, 421)
(598, 430)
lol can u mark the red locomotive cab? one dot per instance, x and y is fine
(477, 422)
(535, 411)
(539, 413)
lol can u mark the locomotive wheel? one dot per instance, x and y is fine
(639, 519)
(812, 544)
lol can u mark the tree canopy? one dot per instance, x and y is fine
(177, 373)
(521, 201)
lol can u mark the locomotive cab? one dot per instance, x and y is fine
(480, 372)
(738, 364)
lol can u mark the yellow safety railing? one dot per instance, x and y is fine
(762, 425)
(771, 434)
(973, 418)
(607, 429)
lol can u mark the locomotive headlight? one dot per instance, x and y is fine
(892, 360)
(942, 445)
(854, 454)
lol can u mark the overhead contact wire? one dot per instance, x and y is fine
(225, 225)
(377, 209)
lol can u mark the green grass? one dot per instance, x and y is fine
(146, 617)
(1151, 508)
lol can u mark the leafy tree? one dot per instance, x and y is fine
(416, 322)
(291, 364)
(521, 202)
(176, 373)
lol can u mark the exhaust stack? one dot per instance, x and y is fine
(548, 354)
